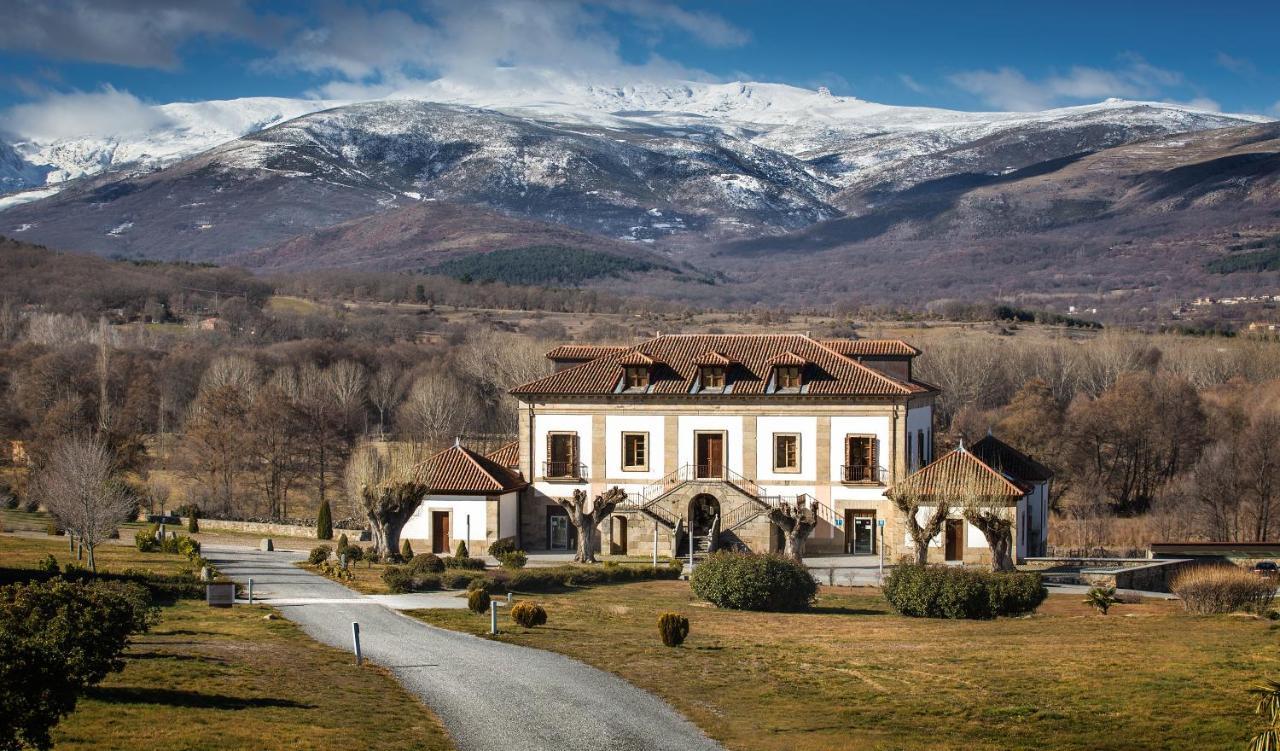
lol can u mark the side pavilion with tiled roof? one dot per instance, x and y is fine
(706, 433)
(966, 476)
(472, 497)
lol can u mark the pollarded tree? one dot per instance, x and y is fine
(588, 522)
(388, 486)
(797, 521)
(80, 489)
(994, 519)
(908, 502)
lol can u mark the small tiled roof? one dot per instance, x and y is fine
(507, 455)
(1002, 457)
(635, 358)
(958, 472)
(582, 351)
(827, 373)
(786, 358)
(872, 347)
(460, 470)
(714, 359)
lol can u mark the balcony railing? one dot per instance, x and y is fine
(859, 473)
(564, 470)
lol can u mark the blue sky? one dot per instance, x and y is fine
(1025, 55)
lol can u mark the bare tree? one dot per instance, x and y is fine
(588, 522)
(993, 517)
(80, 490)
(348, 382)
(495, 363)
(797, 521)
(436, 409)
(387, 486)
(909, 503)
(386, 390)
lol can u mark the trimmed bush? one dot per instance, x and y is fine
(319, 554)
(478, 601)
(188, 546)
(406, 551)
(398, 579)
(48, 564)
(426, 563)
(470, 564)
(955, 592)
(458, 579)
(324, 522)
(1223, 589)
(426, 582)
(750, 581)
(193, 519)
(461, 550)
(499, 548)
(514, 559)
(353, 553)
(145, 541)
(528, 614)
(343, 542)
(673, 628)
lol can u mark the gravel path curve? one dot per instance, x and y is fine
(491, 696)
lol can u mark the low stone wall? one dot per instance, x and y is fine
(268, 529)
(1155, 576)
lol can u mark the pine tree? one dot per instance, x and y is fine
(406, 550)
(193, 519)
(324, 523)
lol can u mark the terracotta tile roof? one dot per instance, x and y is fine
(712, 359)
(826, 371)
(872, 347)
(786, 358)
(581, 351)
(507, 455)
(460, 470)
(956, 473)
(1002, 457)
(635, 358)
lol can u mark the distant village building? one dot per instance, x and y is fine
(214, 323)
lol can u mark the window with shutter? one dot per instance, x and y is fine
(635, 452)
(562, 456)
(786, 452)
(860, 459)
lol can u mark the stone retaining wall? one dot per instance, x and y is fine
(268, 529)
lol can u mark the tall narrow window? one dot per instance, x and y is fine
(637, 377)
(635, 452)
(788, 377)
(860, 459)
(562, 456)
(786, 452)
(920, 454)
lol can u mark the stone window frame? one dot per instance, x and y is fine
(795, 470)
(643, 435)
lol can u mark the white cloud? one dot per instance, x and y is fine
(1237, 65)
(1009, 88)
(912, 84)
(108, 111)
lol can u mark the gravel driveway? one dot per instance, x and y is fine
(491, 696)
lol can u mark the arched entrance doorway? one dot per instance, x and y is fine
(704, 509)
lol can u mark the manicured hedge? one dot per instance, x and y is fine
(957, 592)
(163, 588)
(749, 581)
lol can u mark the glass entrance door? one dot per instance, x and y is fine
(864, 535)
(558, 525)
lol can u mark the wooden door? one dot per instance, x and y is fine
(619, 546)
(439, 532)
(710, 455)
(955, 540)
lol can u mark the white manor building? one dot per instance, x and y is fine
(706, 433)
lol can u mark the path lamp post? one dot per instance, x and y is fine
(250, 591)
(493, 613)
(355, 641)
(880, 546)
(655, 546)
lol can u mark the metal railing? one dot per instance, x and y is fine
(564, 470)
(861, 473)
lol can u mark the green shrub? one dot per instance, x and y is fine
(514, 559)
(1223, 589)
(471, 564)
(354, 553)
(1101, 598)
(319, 554)
(426, 582)
(426, 563)
(145, 540)
(398, 579)
(749, 581)
(461, 550)
(499, 548)
(193, 519)
(458, 579)
(673, 628)
(528, 614)
(478, 601)
(48, 564)
(343, 542)
(324, 522)
(956, 592)
(188, 546)
(406, 550)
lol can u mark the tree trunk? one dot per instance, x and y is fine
(922, 551)
(796, 523)
(586, 523)
(999, 533)
(93, 563)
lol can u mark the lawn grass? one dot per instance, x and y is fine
(209, 678)
(853, 675)
(214, 678)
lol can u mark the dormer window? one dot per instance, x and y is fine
(788, 376)
(637, 377)
(712, 377)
